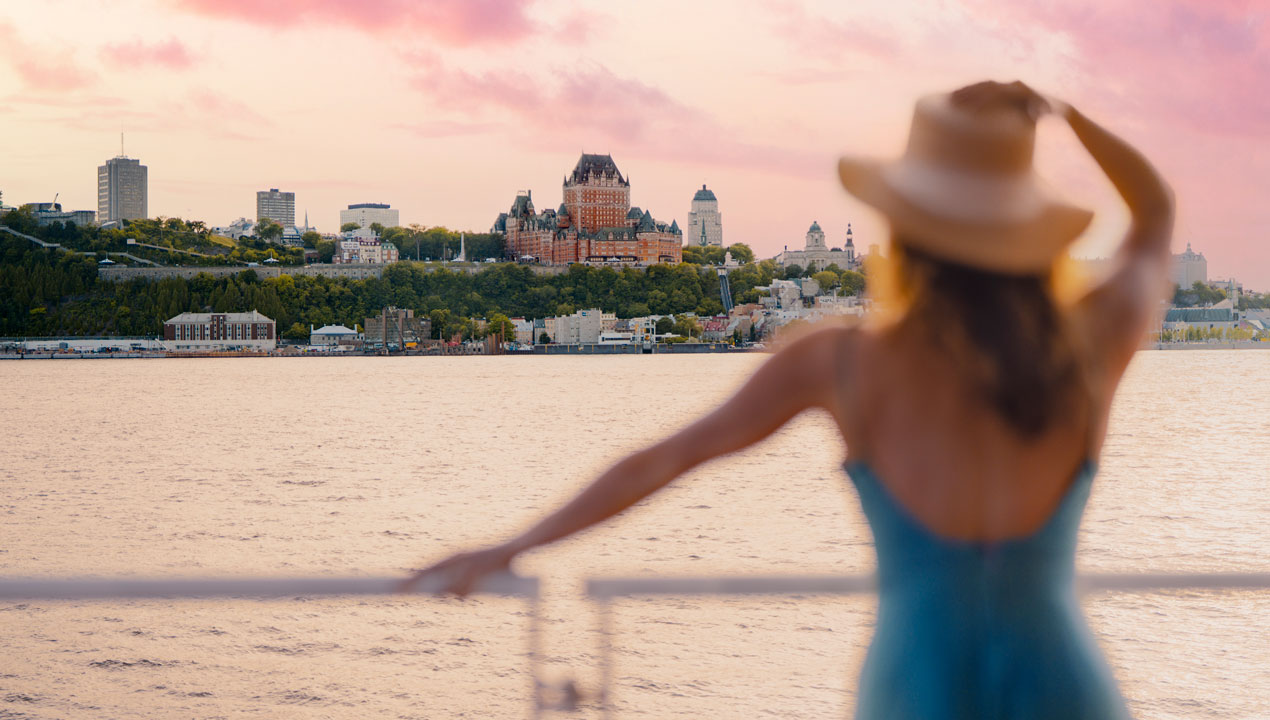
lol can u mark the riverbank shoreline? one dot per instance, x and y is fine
(675, 349)
(539, 350)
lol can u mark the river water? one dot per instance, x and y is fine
(374, 465)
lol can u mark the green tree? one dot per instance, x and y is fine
(500, 325)
(853, 283)
(349, 227)
(311, 239)
(741, 253)
(826, 280)
(544, 339)
(296, 332)
(664, 326)
(687, 326)
(443, 326)
(268, 230)
(377, 228)
(326, 250)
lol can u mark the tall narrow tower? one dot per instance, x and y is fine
(705, 224)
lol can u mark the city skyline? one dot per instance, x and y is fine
(459, 105)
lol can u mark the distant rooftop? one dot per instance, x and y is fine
(376, 206)
(333, 330)
(601, 165)
(705, 194)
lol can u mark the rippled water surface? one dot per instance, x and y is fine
(374, 465)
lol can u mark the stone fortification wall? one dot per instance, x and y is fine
(356, 272)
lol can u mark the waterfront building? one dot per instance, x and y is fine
(1220, 317)
(816, 255)
(524, 331)
(642, 329)
(367, 214)
(397, 328)
(705, 224)
(220, 331)
(581, 328)
(363, 247)
(596, 223)
(275, 205)
(1189, 268)
(715, 329)
(47, 213)
(122, 190)
(330, 336)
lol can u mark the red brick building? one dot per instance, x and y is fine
(220, 331)
(595, 224)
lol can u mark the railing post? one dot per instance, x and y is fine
(604, 622)
(535, 655)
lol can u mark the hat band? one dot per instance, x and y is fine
(966, 196)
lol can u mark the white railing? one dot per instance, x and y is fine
(259, 588)
(602, 591)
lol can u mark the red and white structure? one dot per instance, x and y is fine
(596, 224)
(220, 331)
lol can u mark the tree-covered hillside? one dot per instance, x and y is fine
(52, 292)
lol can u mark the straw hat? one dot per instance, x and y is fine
(965, 190)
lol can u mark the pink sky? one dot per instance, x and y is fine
(445, 108)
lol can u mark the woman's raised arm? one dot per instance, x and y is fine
(1119, 311)
(804, 374)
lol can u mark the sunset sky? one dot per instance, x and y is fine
(445, 108)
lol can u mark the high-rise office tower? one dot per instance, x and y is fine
(277, 206)
(122, 190)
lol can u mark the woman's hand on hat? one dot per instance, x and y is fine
(989, 94)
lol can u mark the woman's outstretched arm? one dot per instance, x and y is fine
(802, 375)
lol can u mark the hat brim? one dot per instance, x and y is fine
(1012, 246)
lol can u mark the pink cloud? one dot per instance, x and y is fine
(593, 107)
(453, 22)
(833, 37)
(220, 108)
(42, 69)
(433, 129)
(587, 99)
(1200, 64)
(171, 54)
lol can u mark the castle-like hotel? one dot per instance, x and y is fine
(595, 224)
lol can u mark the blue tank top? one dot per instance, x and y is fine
(984, 630)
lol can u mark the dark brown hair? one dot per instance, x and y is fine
(1006, 330)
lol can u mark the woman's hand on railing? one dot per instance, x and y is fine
(459, 574)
